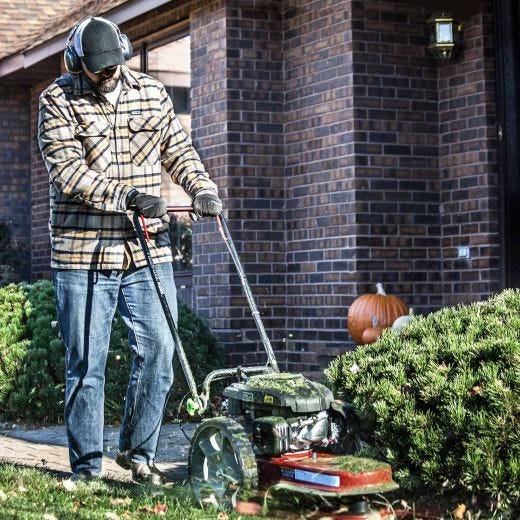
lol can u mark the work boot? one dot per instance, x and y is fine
(84, 477)
(142, 473)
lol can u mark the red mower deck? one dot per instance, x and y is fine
(344, 475)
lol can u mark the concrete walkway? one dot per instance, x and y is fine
(47, 448)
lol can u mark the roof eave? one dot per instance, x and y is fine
(26, 59)
(32, 56)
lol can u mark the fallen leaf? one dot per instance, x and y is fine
(355, 368)
(476, 390)
(22, 489)
(111, 516)
(222, 516)
(160, 509)
(68, 484)
(3, 496)
(77, 504)
(49, 516)
(248, 508)
(121, 501)
(459, 511)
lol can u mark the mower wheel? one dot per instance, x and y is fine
(222, 463)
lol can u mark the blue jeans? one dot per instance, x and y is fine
(86, 303)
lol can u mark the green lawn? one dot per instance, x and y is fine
(34, 494)
(27, 493)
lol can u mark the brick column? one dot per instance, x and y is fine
(40, 240)
(321, 179)
(398, 233)
(237, 121)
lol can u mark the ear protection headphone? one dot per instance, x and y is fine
(73, 51)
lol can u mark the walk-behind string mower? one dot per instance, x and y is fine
(281, 430)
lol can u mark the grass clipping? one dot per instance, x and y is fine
(284, 382)
(441, 400)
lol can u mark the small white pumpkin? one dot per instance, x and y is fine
(402, 321)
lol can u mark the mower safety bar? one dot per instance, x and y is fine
(226, 235)
(200, 400)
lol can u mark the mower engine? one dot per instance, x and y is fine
(285, 412)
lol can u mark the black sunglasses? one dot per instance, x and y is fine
(112, 68)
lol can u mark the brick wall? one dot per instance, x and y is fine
(470, 209)
(362, 165)
(15, 192)
(345, 155)
(379, 185)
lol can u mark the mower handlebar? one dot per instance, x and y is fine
(179, 209)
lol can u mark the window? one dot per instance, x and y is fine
(170, 64)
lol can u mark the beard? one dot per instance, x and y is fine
(108, 83)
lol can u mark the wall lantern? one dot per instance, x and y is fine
(445, 36)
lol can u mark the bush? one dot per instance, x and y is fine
(37, 387)
(13, 315)
(441, 401)
(32, 356)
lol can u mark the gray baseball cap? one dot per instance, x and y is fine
(98, 44)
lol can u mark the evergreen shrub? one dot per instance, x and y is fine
(441, 400)
(32, 356)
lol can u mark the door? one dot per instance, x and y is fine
(507, 38)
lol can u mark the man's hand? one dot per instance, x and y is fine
(207, 205)
(147, 205)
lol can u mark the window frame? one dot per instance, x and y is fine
(141, 48)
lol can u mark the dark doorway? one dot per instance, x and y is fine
(507, 38)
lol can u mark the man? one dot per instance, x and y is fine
(105, 132)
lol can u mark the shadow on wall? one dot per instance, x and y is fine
(461, 10)
(13, 256)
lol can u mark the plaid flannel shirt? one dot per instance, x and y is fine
(96, 154)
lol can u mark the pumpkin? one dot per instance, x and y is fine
(373, 333)
(385, 307)
(401, 322)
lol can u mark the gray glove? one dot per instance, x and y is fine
(147, 205)
(207, 205)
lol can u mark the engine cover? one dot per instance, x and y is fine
(278, 394)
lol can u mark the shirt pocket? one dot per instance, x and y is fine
(95, 139)
(145, 139)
